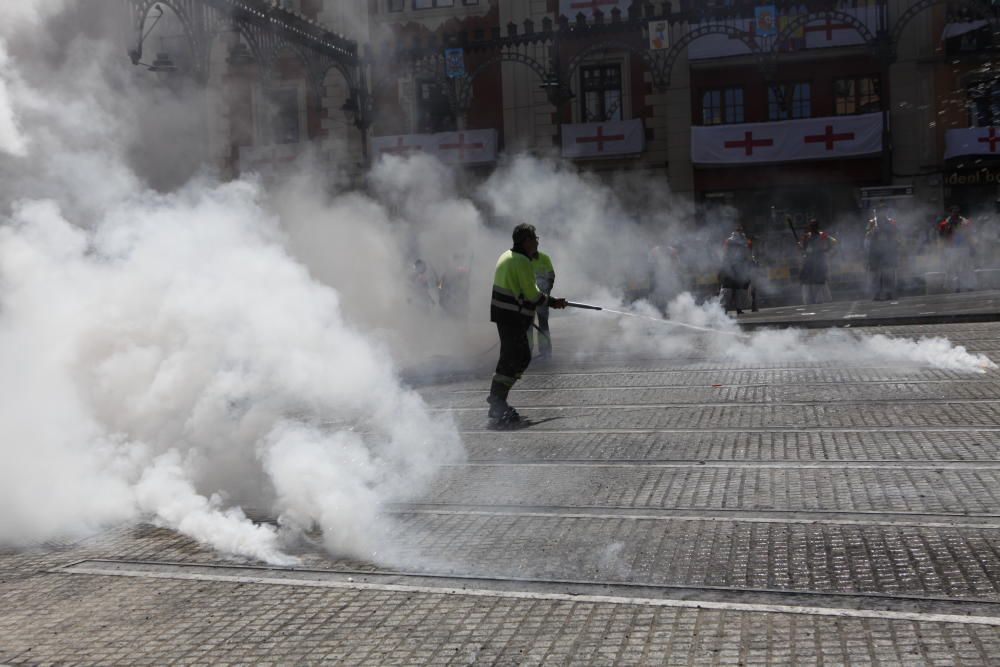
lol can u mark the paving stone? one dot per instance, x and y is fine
(711, 417)
(820, 479)
(887, 445)
(173, 622)
(880, 489)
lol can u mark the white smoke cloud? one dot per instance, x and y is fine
(12, 140)
(690, 328)
(191, 366)
(190, 353)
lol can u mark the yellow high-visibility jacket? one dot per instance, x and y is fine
(545, 275)
(515, 293)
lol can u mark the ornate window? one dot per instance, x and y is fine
(790, 100)
(984, 103)
(602, 93)
(856, 95)
(722, 105)
(434, 112)
(279, 117)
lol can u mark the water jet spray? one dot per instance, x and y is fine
(587, 306)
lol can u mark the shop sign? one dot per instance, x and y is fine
(887, 192)
(983, 176)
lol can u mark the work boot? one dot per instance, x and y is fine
(498, 407)
(510, 416)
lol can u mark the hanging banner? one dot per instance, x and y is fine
(816, 34)
(465, 147)
(454, 63)
(787, 141)
(765, 21)
(972, 141)
(659, 35)
(401, 144)
(612, 138)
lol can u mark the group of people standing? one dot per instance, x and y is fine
(882, 256)
(736, 275)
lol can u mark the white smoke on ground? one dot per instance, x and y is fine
(682, 332)
(183, 365)
(163, 356)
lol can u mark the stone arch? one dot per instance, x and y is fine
(246, 33)
(463, 96)
(611, 45)
(662, 66)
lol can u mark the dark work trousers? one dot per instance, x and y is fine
(515, 355)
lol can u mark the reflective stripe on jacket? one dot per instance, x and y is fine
(515, 294)
(545, 275)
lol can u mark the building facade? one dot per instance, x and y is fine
(776, 110)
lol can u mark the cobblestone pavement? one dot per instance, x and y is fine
(680, 511)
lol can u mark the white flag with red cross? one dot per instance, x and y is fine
(402, 145)
(787, 141)
(466, 146)
(825, 32)
(585, 140)
(972, 141)
(570, 8)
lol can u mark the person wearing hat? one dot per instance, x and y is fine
(515, 298)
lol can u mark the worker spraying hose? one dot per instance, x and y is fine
(515, 297)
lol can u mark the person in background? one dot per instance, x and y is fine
(957, 251)
(453, 287)
(882, 244)
(815, 245)
(736, 271)
(423, 285)
(512, 307)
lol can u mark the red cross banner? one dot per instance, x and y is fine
(466, 146)
(402, 145)
(570, 8)
(269, 158)
(787, 141)
(818, 34)
(589, 140)
(463, 147)
(972, 141)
